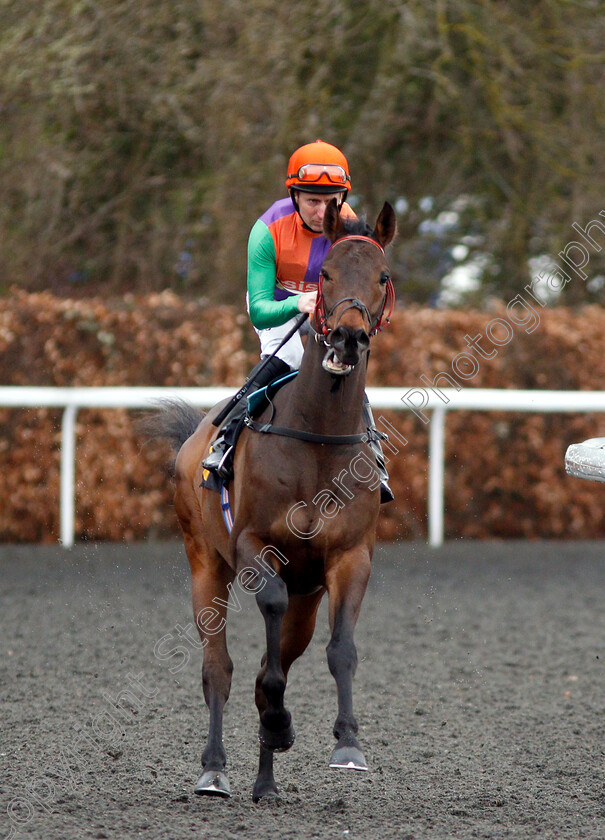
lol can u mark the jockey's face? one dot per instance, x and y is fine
(312, 207)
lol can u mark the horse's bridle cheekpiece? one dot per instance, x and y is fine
(321, 316)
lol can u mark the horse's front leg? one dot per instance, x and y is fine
(276, 732)
(346, 582)
(297, 631)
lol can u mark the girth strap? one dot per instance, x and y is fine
(311, 437)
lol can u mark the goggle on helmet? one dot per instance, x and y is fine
(318, 168)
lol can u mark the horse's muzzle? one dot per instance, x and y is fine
(346, 347)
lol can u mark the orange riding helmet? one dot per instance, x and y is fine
(318, 168)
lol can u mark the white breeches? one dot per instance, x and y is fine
(292, 351)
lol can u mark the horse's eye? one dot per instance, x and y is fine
(384, 278)
(323, 273)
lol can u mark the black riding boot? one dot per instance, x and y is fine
(220, 458)
(386, 494)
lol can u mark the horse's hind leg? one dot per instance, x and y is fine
(346, 583)
(210, 580)
(297, 631)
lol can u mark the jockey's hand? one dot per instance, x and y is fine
(306, 302)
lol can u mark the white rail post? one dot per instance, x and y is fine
(469, 399)
(68, 475)
(436, 476)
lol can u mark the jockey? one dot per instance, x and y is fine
(286, 249)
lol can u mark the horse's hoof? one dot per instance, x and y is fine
(276, 741)
(213, 783)
(264, 794)
(348, 758)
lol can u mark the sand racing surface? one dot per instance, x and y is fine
(480, 695)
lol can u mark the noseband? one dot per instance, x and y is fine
(321, 316)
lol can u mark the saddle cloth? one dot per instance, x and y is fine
(256, 403)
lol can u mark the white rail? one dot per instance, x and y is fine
(419, 400)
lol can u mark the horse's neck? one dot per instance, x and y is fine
(322, 403)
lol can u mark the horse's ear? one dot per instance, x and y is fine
(386, 225)
(333, 226)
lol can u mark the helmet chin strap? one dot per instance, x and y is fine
(294, 198)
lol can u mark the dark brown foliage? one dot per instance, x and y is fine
(139, 141)
(504, 475)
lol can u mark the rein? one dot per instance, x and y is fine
(321, 316)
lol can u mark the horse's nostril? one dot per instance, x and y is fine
(363, 339)
(344, 333)
(349, 344)
(338, 336)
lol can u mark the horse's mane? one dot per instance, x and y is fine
(357, 227)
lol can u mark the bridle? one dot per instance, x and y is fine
(320, 316)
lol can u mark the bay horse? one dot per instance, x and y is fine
(305, 500)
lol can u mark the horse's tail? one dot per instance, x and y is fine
(174, 422)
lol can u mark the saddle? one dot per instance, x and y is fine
(256, 404)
